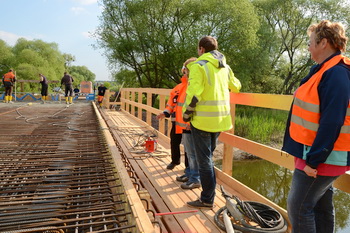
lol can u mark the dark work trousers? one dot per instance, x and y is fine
(68, 90)
(175, 141)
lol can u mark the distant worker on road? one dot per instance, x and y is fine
(44, 87)
(8, 80)
(76, 91)
(101, 93)
(67, 80)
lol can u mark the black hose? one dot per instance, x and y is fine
(267, 218)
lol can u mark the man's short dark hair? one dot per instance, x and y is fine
(209, 43)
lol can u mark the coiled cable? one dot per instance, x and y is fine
(256, 217)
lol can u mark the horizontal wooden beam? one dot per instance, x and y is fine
(281, 102)
(36, 81)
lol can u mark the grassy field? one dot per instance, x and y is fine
(262, 125)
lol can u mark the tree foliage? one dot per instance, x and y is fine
(283, 39)
(81, 73)
(264, 41)
(31, 57)
(154, 37)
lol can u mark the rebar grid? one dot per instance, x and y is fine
(56, 173)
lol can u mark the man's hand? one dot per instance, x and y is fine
(310, 171)
(160, 116)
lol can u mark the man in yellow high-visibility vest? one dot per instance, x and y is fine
(207, 108)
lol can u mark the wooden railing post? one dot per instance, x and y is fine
(161, 107)
(227, 160)
(139, 100)
(105, 101)
(127, 105)
(133, 100)
(149, 114)
(122, 99)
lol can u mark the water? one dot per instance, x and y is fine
(273, 182)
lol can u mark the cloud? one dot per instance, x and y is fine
(78, 10)
(87, 35)
(11, 38)
(86, 2)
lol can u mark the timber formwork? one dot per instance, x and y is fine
(56, 173)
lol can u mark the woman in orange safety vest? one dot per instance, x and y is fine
(318, 132)
(175, 137)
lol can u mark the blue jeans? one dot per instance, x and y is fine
(205, 143)
(192, 170)
(310, 203)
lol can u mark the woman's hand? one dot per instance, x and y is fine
(160, 116)
(310, 171)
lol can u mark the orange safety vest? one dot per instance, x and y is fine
(9, 77)
(306, 111)
(180, 124)
(174, 94)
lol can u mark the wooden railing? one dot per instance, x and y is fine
(138, 100)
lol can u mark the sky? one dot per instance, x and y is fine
(69, 23)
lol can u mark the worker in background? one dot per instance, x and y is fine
(44, 87)
(207, 108)
(191, 177)
(8, 80)
(175, 138)
(101, 93)
(67, 80)
(76, 91)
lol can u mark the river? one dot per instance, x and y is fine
(273, 182)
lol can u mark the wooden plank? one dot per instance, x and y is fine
(281, 102)
(265, 152)
(343, 183)
(142, 220)
(157, 91)
(169, 221)
(176, 197)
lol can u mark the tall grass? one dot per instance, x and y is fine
(262, 125)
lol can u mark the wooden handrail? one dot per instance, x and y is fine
(133, 98)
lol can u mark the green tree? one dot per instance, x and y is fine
(283, 39)
(37, 56)
(69, 59)
(6, 58)
(81, 73)
(154, 37)
(127, 77)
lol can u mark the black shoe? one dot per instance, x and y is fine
(190, 185)
(199, 204)
(171, 166)
(182, 178)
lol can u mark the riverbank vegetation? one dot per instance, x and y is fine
(262, 125)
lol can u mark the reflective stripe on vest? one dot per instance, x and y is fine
(306, 111)
(212, 103)
(182, 125)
